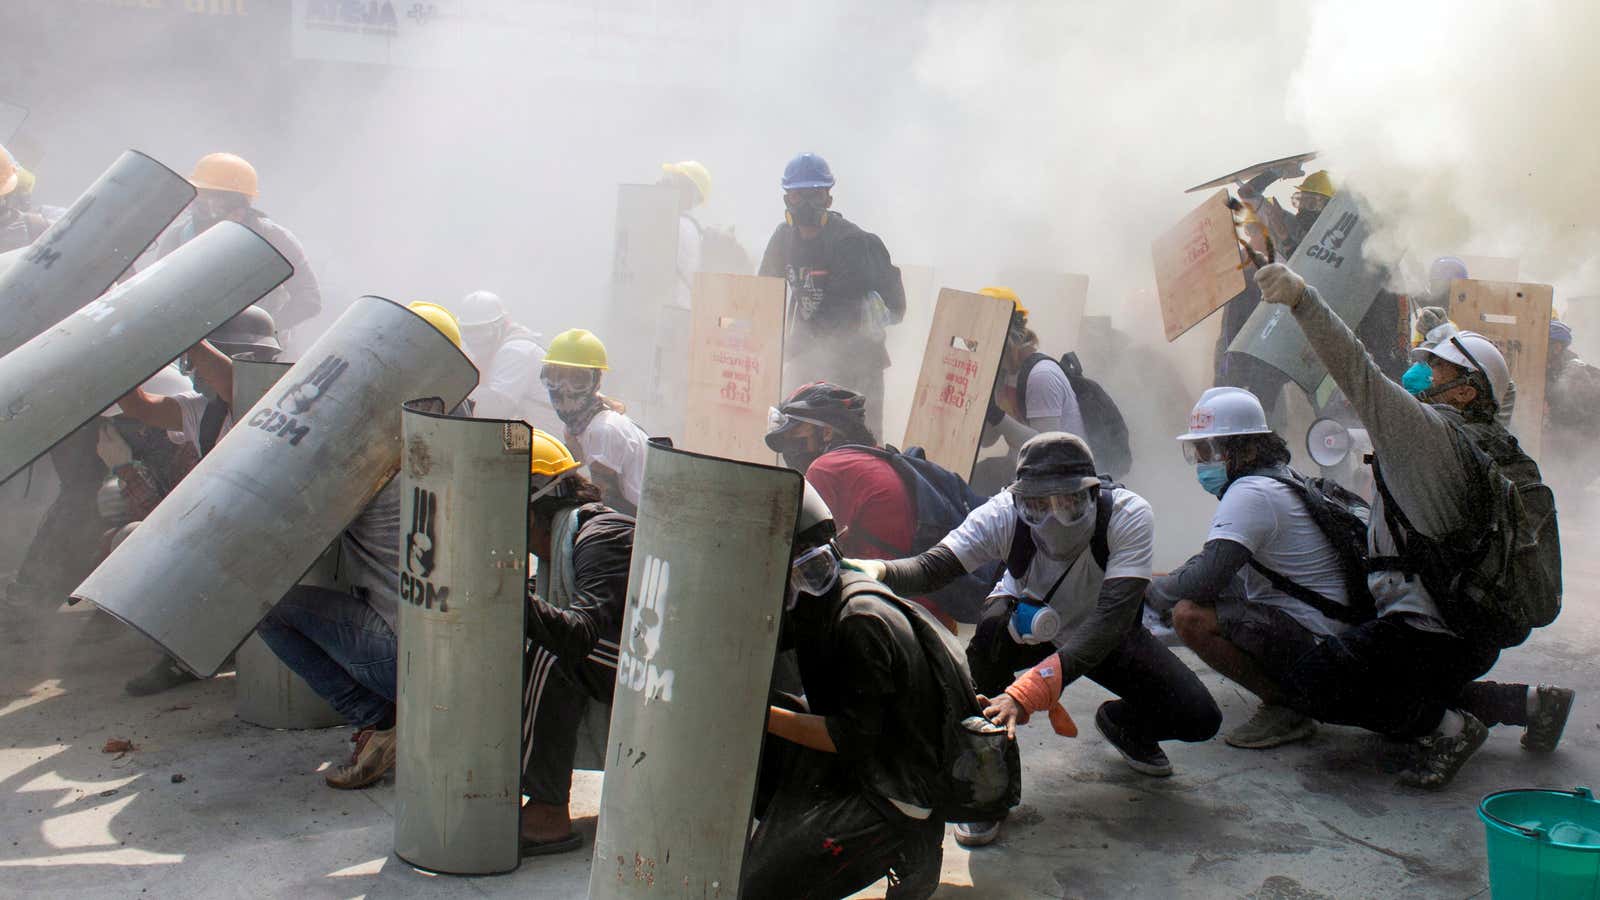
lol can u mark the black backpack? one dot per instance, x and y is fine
(1342, 517)
(942, 501)
(1497, 578)
(1107, 431)
(980, 769)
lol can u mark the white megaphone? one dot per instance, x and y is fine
(1330, 442)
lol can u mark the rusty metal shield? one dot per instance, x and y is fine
(295, 470)
(705, 594)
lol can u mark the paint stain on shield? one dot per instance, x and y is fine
(419, 460)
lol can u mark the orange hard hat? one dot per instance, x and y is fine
(224, 172)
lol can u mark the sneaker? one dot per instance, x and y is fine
(977, 834)
(1142, 756)
(1551, 706)
(1271, 726)
(1439, 758)
(165, 675)
(372, 759)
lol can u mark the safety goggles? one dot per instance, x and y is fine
(1064, 507)
(814, 571)
(1199, 451)
(805, 197)
(567, 379)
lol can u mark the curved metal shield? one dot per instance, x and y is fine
(1330, 258)
(79, 256)
(61, 378)
(295, 470)
(705, 593)
(463, 584)
(267, 692)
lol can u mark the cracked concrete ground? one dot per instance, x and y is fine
(251, 817)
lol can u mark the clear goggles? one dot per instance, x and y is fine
(814, 571)
(1064, 508)
(1200, 451)
(567, 378)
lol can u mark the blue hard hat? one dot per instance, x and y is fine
(1560, 332)
(807, 170)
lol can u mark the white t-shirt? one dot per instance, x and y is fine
(614, 441)
(689, 242)
(986, 536)
(1050, 396)
(509, 386)
(193, 406)
(1271, 521)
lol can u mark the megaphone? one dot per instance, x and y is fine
(1330, 442)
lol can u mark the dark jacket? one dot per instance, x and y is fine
(831, 276)
(585, 636)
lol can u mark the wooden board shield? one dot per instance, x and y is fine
(1331, 260)
(1055, 302)
(735, 365)
(1516, 317)
(1197, 266)
(959, 367)
(705, 596)
(905, 345)
(644, 272)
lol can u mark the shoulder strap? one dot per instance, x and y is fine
(1100, 544)
(216, 412)
(1304, 594)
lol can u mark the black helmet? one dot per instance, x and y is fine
(251, 331)
(818, 403)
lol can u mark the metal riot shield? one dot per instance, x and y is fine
(295, 470)
(463, 585)
(267, 692)
(1330, 258)
(61, 378)
(78, 257)
(705, 593)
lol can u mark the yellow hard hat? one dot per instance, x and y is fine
(440, 318)
(1317, 182)
(578, 348)
(550, 457)
(693, 171)
(1005, 293)
(224, 172)
(8, 172)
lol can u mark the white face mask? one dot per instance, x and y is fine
(1065, 540)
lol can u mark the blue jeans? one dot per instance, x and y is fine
(342, 648)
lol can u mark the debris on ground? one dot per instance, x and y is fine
(119, 745)
(178, 778)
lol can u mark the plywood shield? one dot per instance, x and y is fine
(1055, 302)
(464, 551)
(1197, 266)
(735, 365)
(1516, 317)
(1331, 260)
(644, 277)
(959, 367)
(80, 365)
(705, 594)
(295, 470)
(84, 251)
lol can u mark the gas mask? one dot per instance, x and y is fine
(808, 208)
(573, 390)
(814, 573)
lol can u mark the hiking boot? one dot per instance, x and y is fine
(165, 675)
(372, 758)
(1271, 726)
(977, 834)
(1551, 706)
(1439, 758)
(1144, 757)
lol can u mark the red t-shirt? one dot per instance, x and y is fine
(871, 507)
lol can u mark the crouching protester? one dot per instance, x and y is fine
(857, 776)
(1282, 569)
(1463, 546)
(575, 609)
(1077, 555)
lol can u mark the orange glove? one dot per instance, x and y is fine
(1039, 690)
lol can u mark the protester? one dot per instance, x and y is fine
(1287, 228)
(843, 289)
(575, 612)
(226, 186)
(1269, 584)
(1442, 464)
(1031, 394)
(1077, 557)
(821, 432)
(509, 357)
(845, 793)
(598, 432)
(19, 224)
(1572, 418)
(693, 183)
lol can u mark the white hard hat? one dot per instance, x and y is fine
(1224, 411)
(1473, 352)
(480, 308)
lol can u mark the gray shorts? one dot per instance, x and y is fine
(1269, 635)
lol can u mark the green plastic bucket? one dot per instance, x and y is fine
(1543, 844)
